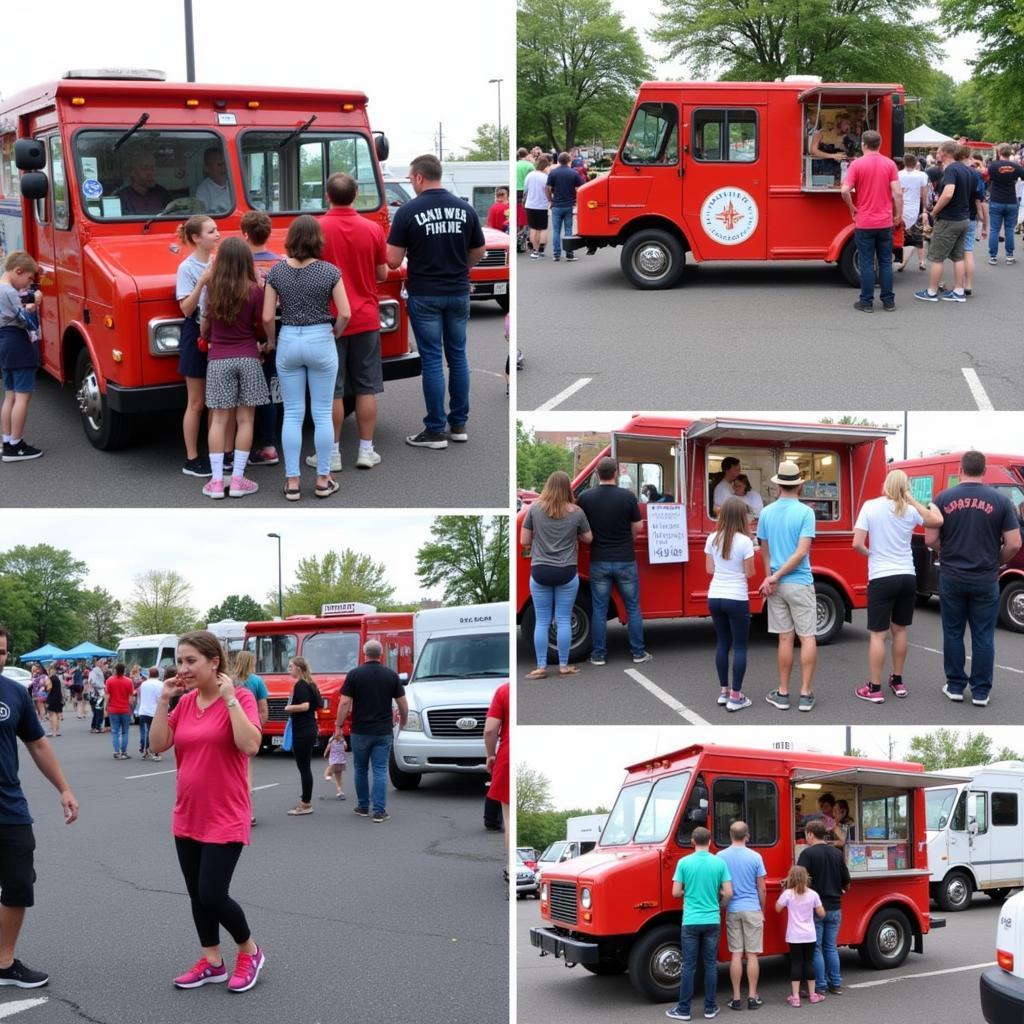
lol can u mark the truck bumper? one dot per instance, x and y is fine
(488, 289)
(156, 398)
(402, 367)
(416, 752)
(573, 242)
(1002, 997)
(547, 940)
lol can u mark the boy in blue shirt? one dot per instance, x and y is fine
(19, 353)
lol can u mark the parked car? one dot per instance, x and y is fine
(1002, 986)
(526, 879)
(18, 675)
(529, 855)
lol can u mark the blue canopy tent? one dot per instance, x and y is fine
(48, 652)
(89, 650)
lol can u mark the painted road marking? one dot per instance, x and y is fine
(1004, 668)
(925, 974)
(978, 393)
(666, 698)
(269, 785)
(19, 1005)
(563, 395)
(149, 775)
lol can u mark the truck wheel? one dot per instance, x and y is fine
(106, 429)
(997, 895)
(955, 892)
(848, 264)
(655, 963)
(888, 940)
(830, 611)
(582, 641)
(399, 779)
(653, 259)
(1011, 606)
(502, 301)
(607, 968)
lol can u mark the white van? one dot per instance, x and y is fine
(160, 649)
(976, 834)
(230, 632)
(462, 656)
(476, 181)
(1002, 986)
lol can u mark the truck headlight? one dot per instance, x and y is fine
(164, 337)
(414, 723)
(388, 316)
(544, 892)
(585, 898)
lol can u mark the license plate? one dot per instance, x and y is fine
(276, 741)
(500, 287)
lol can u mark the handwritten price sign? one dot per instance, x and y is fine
(666, 534)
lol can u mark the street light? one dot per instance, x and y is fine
(280, 597)
(497, 82)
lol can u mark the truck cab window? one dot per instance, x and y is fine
(624, 815)
(653, 136)
(660, 812)
(754, 802)
(272, 653)
(59, 185)
(725, 136)
(694, 813)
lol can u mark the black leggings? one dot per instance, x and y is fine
(303, 742)
(801, 961)
(208, 868)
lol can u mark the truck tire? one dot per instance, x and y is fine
(888, 940)
(653, 259)
(399, 779)
(1011, 606)
(831, 610)
(656, 962)
(106, 429)
(955, 892)
(582, 641)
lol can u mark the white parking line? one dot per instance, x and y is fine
(149, 775)
(666, 698)
(924, 974)
(19, 1005)
(563, 395)
(1004, 668)
(269, 785)
(978, 393)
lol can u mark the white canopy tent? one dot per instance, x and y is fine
(922, 135)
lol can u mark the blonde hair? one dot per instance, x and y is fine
(243, 667)
(896, 489)
(732, 519)
(798, 880)
(303, 666)
(556, 497)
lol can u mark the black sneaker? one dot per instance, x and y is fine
(428, 439)
(457, 432)
(864, 307)
(555, 258)
(570, 258)
(20, 452)
(23, 977)
(199, 466)
(735, 1004)
(363, 812)
(754, 1002)
(382, 816)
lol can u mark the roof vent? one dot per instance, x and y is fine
(812, 79)
(136, 74)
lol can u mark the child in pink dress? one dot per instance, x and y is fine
(803, 903)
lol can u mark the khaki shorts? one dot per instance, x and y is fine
(744, 931)
(947, 241)
(793, 609)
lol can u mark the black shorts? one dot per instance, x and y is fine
(359, 366)
(17, 873)
(891, 599)
(191, 362)
(537, 219)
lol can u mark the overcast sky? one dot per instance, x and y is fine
(418, 63)
(585, 765)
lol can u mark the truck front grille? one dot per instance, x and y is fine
(562, 901)
(494, 258)
(442, 722)
(276, 707)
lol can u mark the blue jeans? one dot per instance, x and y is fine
(732, 627)
(826, 955)
(975, 605)
(1002, 219)
(561, 219)
(307, 355)
(145, 721)
(553, 603)
(97, 717)
(119, 732)
(624, 576)
(869, 242)
(369, 750)
(439, 323)
(699, 941)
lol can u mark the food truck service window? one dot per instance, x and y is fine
(820, 489)
(756, 803)
(884, 817)
(747, 480)
(725, 136)
(653, 136)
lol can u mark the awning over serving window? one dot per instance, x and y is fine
(848, 89)
(883, 777)
(786, 433)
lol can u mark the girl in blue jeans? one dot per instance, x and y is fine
(552, 529)
(307, 355)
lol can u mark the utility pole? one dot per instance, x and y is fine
(440, 142)
(906, 426)
(190, 54)
(497, 82)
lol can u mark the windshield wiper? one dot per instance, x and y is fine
(295, 134)
(131, 131)
(491, 672)
(441, 675)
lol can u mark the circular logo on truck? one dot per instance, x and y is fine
(729, 216)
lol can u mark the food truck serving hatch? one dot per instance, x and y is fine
(795, 433)
(875, 777)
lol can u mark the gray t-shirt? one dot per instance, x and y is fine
(555, 540)
(189, 272)
(10, 307)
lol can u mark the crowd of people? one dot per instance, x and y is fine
(546, 187)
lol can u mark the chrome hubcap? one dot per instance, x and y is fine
(90, 401)
(667, 965)
(889, 939)
(1015, 607)
(825, 615)
(652, 260)
(957, 892)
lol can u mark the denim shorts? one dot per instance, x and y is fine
(20, 381)
(972, 230)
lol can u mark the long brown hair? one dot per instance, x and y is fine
(798, 880)
(732, 519)
(232, 279)
(207, 644)
(556, 498)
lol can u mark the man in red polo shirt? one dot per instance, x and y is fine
(358, 248)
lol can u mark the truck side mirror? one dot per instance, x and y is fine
(34, 185)
(381, 144)
(698, 815)
(29, 154)
(972, 827)
(403, 677)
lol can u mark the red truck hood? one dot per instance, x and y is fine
(151, 261)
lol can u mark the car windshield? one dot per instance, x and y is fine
(938, 806)
(139, 656)
(331, 652)
(463, 657)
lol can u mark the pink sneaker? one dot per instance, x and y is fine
(867, 693)
(241, 486)
(897, 686)
(214, 489)
(793, 1000)
(247, 970)
(816, 997)
(202, 973)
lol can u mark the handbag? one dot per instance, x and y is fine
(286, 740)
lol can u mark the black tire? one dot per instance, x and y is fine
(831, 612)
(582, 641)
(888, 940)
(606, 968)
(655, 963)
(1011, 606)
(106, 429)
(502, 301)
(997, 895)
(402, 780)
(848, 264)
(653, 259)
(955, 892)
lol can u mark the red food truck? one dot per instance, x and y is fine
(110, 322)
(612, 910)
(332, 643)
(935, 473)
(842, 466)
(735, 171)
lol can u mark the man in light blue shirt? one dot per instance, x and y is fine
(785, 530)
(744, 914)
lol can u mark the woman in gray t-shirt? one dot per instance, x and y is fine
(552, 529)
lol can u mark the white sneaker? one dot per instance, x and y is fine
(335, 461)
(367, 458)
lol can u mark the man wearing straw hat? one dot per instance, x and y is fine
(785, 530)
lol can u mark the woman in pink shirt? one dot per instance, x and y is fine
(214, 728)
(803, 903)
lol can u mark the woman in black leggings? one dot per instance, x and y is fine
(213, 729)
(304, 729)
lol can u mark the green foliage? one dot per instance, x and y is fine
(537, 460)
(239, 608)
(468, 555)
(947, 748)
(949, 107)
(44, 593)
(101, 618)
(16, 613)
(579, 68)
(486, 145)
(338, 576)
(160, 603)
(541, 828)
(533, 791)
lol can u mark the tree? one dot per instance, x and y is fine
(763, 40)
(469, 555)
(533, 790)
(237, 608)
(338, 576)
(486, 145)
(946, 748)
(16, 613)
(579, 69)
(160, 603)
(537, 460)
(101, 618)
(52, 579)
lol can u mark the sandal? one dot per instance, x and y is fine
(568, 670)
(328, 490)
(292, 494)
(301, 809)
(537, 673)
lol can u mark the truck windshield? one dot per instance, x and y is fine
(144, 656)
(156, 173)
(653, 136)
(331, 652)
(463, 657)
(644, 812)
(938, 806)
(1016, 495)
(291, 178)
(272, 653)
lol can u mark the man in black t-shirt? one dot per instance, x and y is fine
(561, 189)
(616, 521)
(830, 878)
(980, 531)
(951, 213)
(1003, 175)
(441, 235)
(369, 690)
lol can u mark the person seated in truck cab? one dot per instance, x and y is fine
(143, 194)
(214, 192)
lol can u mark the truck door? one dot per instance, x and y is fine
(725, 179)
(969, 836)
(1005, 838)
(40, 241)
(650, 177)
